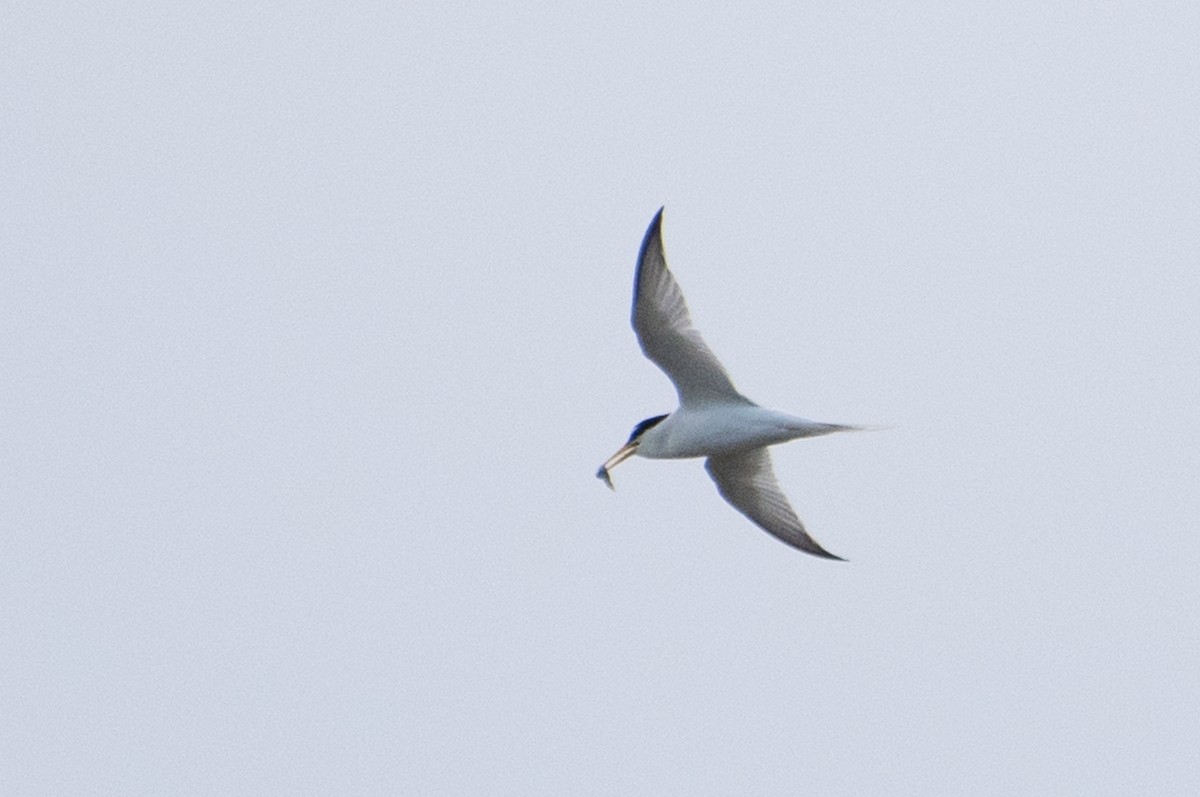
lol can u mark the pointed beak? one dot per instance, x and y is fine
(623, 453)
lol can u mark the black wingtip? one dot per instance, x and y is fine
(653, 234)
(655, 229)
(817, 550)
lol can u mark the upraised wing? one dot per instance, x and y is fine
(664, 330)
(747, 481)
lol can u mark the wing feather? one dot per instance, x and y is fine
(664, 330)
(747, 481)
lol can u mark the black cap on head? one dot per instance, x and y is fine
(641, 428)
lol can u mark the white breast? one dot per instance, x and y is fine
(707, 431)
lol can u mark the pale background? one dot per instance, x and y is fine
(314, 328)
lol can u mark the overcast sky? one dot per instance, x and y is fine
(314, 328)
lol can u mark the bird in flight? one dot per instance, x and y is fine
(713, 420)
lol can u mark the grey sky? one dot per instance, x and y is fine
(314, 328)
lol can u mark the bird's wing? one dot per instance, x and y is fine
(664, 329)
(747, 481)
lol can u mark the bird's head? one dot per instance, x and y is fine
(629, 449)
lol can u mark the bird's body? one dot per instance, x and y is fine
(713, 420)
(724, 429)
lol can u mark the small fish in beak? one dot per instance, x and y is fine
(623, 453)
(603, 474)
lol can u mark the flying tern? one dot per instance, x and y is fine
(713, 420)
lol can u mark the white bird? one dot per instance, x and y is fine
(713, 420)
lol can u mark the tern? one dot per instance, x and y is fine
(713, 420)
